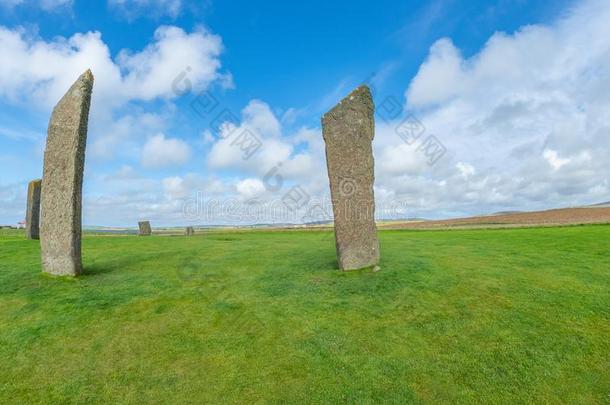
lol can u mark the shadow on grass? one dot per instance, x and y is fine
(104, 267)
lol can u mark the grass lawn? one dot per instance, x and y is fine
(487, 316)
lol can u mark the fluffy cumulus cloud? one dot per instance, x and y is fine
(250, 188)
(525, 121)
(39, 71)
(160, 151)
(36, 72)
(260, 128)
(233, 190)
(258, 145)
(127, 194)
(267, 165)
(193, 185)
(122, 137)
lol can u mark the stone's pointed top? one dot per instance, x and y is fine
(362, 89)
(86, 77)
(88, 74)
(362, 95)
(78, 94)
(84, 81)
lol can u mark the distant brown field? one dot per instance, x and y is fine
(564, 216)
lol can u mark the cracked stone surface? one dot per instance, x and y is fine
(348, 130)
(62, 180)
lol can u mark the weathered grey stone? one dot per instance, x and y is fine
(32, 214)
(145, 229)
(189, 231)
(62, 180)
(348, 130)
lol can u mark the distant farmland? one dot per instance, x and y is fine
(564, 216)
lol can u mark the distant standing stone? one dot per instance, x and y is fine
(189, 231)
(32, 215)
(62, 180)
(145, 229)
(348, 130)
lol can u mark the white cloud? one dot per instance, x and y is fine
(250, 188)
(554, 160)
(53, 4)
(133, 8)
(207, 137)
(259, 121)
(465, 169)
(121, 138)
(160, 151)
(397, 159)
(152, 72)
(39, 71)
(175, 187)
(525, 106)
(283, 161)
(259, 117)
(525, 121)
(47, 5)
(36, 73)
(193, 185)
(440, 77)
(12, 207)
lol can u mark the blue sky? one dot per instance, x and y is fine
(513, 91)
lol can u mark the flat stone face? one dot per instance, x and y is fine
(145, 229)
(32, 214)
(189, 231)
(62, 180)
(348, 131)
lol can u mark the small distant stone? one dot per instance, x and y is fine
(144, 227)
(32, 216)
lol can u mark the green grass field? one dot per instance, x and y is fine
(487, 316)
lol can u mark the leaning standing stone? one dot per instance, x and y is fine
(32, 215)
(348, 131)
(189, 231)
(145, 229)
(62, 180)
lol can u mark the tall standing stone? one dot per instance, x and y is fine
(62, 180)
(189, 231)
(32, 215)
(348, 130)
(145, 229)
